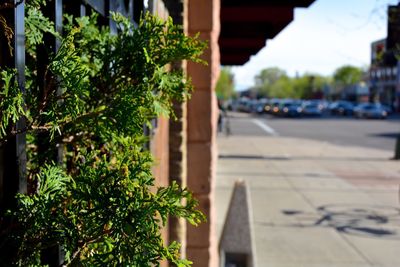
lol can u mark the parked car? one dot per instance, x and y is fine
(290, 108)
(269, 105)
(274, 106)
(260, 106)
(312, 108)
(252, 105)
(341, 107)
(371, 111)
(244, 105)
(388, 109)
(358, 108)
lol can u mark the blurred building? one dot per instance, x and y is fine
(357, 93)
(384, 73)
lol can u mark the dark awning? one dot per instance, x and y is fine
(246, 24)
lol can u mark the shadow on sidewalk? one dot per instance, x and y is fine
(386, 135)
(371, 221)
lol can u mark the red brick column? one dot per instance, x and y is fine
(203, 18)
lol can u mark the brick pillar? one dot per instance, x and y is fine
(178, 170)
(203, 18)
(177, 140)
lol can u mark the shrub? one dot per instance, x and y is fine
(93, 99)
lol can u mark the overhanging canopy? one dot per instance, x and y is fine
(246, 24)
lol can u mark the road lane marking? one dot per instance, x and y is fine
(265, 127)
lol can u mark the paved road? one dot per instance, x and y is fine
(379, 134)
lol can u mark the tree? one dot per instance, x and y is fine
(309, 86)
(347, 75)
(267, 78)
(273, 82)
(281, 88)
(225, 86)
(100, 204)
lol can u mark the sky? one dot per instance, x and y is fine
(321, 38)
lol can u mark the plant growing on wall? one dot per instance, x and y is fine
(93, 98)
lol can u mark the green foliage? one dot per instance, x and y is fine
(101, 205)
(7, 33)
(106, 214)
(269, 76)
(305, 87)
(282, 88)
(274, 83)
(35, 3)
(347, 75)
(11, 101)
(225, 86)
(36, 25)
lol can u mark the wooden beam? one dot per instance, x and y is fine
(234, 59)
(288, 3)
(251, 29)
(262, 13)
(239, 50)
(242, 42)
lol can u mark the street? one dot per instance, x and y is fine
(321, 192)
(346, 131)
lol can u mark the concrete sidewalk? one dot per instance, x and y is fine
(314, 203)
